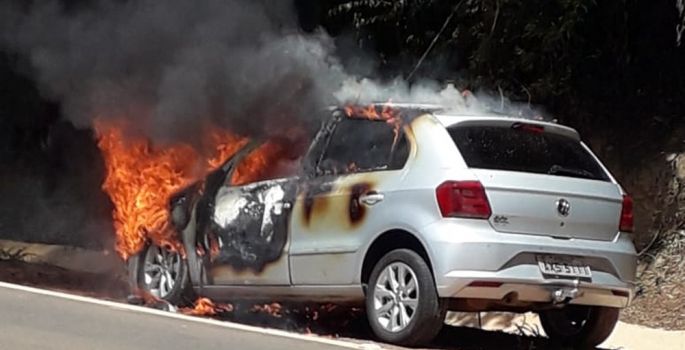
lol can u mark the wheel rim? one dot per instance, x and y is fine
(395, 297)
(161, 271)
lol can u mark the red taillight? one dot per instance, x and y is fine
(463, 199)
(627, 215)
(532, 128)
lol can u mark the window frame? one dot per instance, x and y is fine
(329, 130)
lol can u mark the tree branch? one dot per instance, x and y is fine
(435, 40)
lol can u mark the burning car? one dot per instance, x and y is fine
(410, 211)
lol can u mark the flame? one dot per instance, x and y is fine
(140, 179)
(224, 144)
(374, 112)
(206, 307)
(257, 164)
(273, 309)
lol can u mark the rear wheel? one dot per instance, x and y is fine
(579, 326)
(163, 273)
(402, 302)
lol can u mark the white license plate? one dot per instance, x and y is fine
(550, 266)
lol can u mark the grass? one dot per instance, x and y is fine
(14, 254)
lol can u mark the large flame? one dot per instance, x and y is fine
(140, 179)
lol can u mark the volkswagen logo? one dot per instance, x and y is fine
(563, 207)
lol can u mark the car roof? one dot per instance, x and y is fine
(427, 107)
(448, 117)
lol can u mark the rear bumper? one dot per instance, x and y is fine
(472, 261)
(515, 290)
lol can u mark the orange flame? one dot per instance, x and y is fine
(373, 112)
(140, 179)
(273, 309)
(206, 307)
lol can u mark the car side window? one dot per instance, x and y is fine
(359, 145)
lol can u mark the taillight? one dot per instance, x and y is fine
(532, 128)
(463, 199)
(627, 215)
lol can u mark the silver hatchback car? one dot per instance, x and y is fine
(411, 211)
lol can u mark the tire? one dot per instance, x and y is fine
(579, 326)
(148, 265)
(385, 299)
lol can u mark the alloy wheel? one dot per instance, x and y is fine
(396, 297)
(162, 268)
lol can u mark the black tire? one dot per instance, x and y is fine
(428, 317)
(181, 294)
(579, 326)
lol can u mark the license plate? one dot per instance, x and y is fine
(551, 266)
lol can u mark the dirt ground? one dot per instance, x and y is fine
(661, 294)
(46, 276)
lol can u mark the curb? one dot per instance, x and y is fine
(66, 257)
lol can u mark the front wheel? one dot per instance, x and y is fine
(402, 303)
(163, 273)
(579, 326)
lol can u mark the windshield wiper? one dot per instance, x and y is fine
(560, 170)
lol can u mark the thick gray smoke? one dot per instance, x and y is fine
(173, 66)
(362, 91)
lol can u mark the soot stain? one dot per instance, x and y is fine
(251, 241)
(356, 209)
(315, 200)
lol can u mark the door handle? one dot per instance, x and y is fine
(371, 198)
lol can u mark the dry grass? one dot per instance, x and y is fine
(661, 273)
(14, 254)
(661, 278)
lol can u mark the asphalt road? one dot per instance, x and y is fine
(31, 320)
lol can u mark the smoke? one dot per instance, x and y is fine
(364, 91)
(429, 92)
(172, 67)
(680, 27)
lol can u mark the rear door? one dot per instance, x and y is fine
(347, 200)
(540, 180)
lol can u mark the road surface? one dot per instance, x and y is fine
(34, 319)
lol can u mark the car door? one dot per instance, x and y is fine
(246, 233)
(345, 202)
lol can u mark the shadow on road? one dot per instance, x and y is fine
(465, 338)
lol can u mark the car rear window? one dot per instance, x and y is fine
(525, 150)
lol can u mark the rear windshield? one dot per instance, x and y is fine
(525, 150)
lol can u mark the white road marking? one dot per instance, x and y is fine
(208, 321)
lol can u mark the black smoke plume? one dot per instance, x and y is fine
(173, 66)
